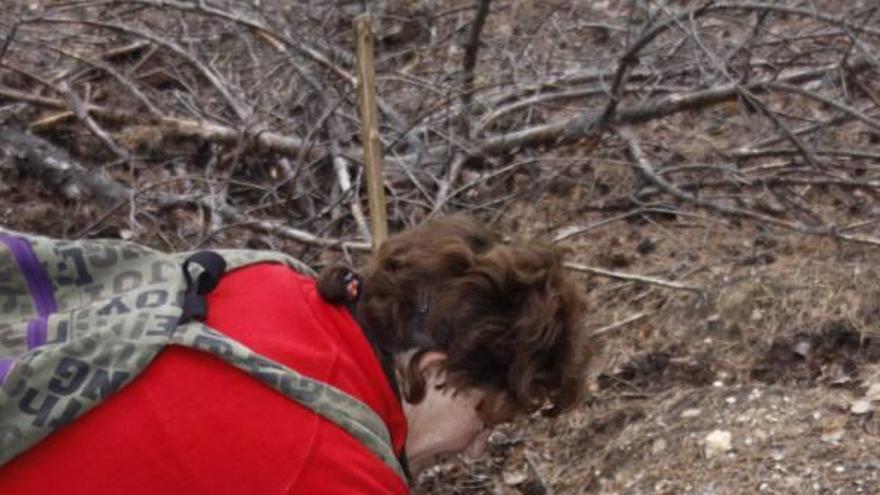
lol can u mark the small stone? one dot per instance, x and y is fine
(659, 446)
(717, 443)
(691, 413)
(802, 349)
(861, 406)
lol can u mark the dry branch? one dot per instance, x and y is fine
(173, 126)
(37, 156)
(846, 109)
(644, 166)
(79, 109)
(126, 82)
(241, 110)
(634, 278)
(283, 43)
(63, 173)
(571, 130)
(620, 324)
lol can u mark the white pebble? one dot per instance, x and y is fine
(717, 443)
(691, 413)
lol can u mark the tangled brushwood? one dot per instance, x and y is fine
(242, 115)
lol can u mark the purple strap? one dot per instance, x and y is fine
(36, 332)
(38, 285)
(5, 366)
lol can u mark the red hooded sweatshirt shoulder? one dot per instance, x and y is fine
(193, 424)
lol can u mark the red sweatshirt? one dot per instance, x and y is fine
(192, 424)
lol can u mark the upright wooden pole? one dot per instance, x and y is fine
(366, 79)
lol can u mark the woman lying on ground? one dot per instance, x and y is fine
(447, 333)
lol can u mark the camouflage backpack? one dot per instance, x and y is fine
(81, 319)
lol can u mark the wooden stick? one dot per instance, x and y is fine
(366, 87)
(634, 278)
(620, 324)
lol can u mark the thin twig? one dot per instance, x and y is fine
(644, 166)
(619, 324)
(634, 278)
(447, 183)
(8, 41)
(79, 109)
(852, 112)
(121, 78)
(241, 110)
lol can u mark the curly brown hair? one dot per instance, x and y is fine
(508, 316)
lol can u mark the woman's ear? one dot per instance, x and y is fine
(431, 370)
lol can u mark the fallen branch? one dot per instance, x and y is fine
(634, 278)
(576, 128)
(75, 182)
(644, 166)
(282, 43)
(782, 9)
(852, 112)
(747, 154)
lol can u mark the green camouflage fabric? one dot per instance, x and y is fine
(81, 319)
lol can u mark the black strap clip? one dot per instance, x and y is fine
(194, 304)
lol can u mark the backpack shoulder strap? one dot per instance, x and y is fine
(237, 258)
(338, 407)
